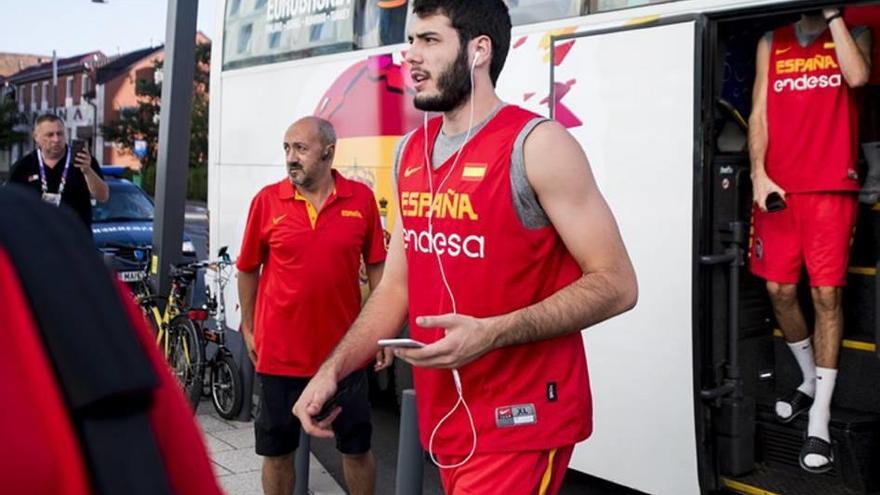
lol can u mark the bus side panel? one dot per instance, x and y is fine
(633, 91)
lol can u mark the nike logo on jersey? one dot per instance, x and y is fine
(276, 220)
(780, 51)
(411, 170)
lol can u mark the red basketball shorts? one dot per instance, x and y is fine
(814, 228)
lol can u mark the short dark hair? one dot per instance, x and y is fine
(472, 18)
(48, 117)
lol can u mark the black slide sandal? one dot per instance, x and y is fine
(816, 446)
(799, 402)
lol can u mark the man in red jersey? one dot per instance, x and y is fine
(299, 291)
(803, 134)
(504, 251)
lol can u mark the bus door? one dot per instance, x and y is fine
(747, 362)
(630, 96)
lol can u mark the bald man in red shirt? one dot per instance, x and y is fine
(299, 291)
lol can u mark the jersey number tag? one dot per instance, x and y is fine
(52, 198)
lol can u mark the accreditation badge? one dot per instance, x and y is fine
(52, 198)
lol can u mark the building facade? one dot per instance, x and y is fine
(72, 99)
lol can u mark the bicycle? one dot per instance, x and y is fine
(221, 370)
(176, 334)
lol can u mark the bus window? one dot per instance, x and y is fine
(529, 11)
(266, 31)
(380, 22)
(604, 5)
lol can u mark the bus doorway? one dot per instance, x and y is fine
(747, 363)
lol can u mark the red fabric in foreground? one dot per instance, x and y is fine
(41, 452)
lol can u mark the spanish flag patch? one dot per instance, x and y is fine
(352, 213)
(473, 171)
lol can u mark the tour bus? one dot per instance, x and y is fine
(658, 95)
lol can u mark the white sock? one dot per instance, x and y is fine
(820, 413)
(803, 354)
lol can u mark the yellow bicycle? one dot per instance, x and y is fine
(176, 335)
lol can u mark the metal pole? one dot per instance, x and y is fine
(410, 456)
(54, 84)
(174, 136)
(301, 464)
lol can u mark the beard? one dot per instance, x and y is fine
(453, 85)
(297, 175)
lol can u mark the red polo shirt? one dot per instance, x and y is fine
(309, 292)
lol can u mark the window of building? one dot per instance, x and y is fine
(44, 99)
(68, 90)
(85, 84)
(531, 11)
(604, 5)
(34, 94)
(284, 30)
(275, 39)
(244, 38)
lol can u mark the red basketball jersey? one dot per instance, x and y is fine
(524, 397)
(811, 115)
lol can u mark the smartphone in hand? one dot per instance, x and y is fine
(774, 202)
(345, 390)
(77, 146)
(405, 343)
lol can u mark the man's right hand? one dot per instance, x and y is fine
(762, 186)
(247, 332)
(318, 391)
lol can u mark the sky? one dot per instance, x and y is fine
(72, 27)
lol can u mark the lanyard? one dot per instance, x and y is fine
(43, 183)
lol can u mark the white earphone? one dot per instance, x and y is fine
(456, 378)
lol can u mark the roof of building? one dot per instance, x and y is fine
(10, 63)
(119, 65)
(65, 66)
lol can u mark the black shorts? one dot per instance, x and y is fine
(277, 429)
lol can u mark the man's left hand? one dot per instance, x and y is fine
(467, 338)
(83, 161)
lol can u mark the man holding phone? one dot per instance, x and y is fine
(802, 143)
(61, 174)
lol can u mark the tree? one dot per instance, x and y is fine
(10, 119)
(142, 123)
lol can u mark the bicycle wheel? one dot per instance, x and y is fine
(187, 357)
(226, 386)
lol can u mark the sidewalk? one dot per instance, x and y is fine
(231, 447)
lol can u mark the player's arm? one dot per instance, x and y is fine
(560, 175)
(762, 185)
(854, 55)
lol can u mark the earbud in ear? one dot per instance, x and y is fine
(325, 156)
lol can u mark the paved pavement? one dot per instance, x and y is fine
(231, 447)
